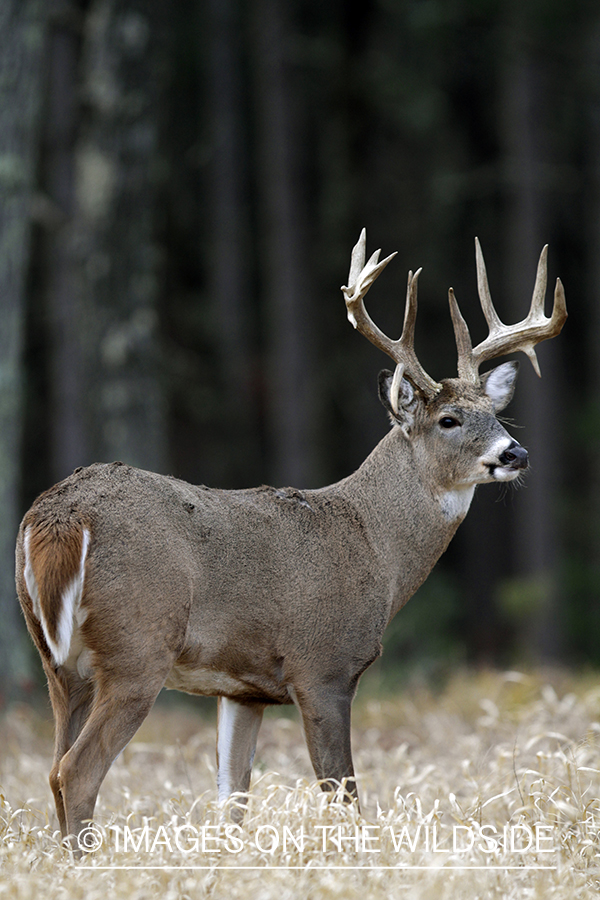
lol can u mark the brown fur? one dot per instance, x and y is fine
(55, 556)
(261, 596)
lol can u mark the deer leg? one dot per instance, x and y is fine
(326, 721)
(117, 711)
(237, 730)
(71, 702)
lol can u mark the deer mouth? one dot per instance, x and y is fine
(510, 462)
(503, 473)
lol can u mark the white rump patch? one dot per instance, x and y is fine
(70, 603)
(30, 581)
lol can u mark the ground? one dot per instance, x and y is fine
(487, 787)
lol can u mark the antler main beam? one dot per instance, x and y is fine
(402, 351)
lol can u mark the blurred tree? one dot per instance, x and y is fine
(286, 273)
(102, 266)
(584, 515)
(535, 545)
(21, 75)
(69, 438)
(229, 254)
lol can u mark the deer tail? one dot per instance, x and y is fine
(54, 572)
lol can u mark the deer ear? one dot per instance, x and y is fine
(398, 396)
(499, 384)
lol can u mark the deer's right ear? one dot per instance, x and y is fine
(398, 396)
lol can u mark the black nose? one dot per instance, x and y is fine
(515, 457)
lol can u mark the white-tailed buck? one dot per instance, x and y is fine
(131, 581)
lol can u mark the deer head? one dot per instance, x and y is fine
(442, 410)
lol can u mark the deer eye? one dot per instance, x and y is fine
(449, 422)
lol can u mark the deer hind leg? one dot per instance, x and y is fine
(115, 714)
(237, 730)
(326, 720)
(71, 702)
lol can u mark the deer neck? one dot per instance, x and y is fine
(409, 519)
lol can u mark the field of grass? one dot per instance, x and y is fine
(489, 787)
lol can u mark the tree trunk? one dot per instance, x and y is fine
(69, 437)
(286, 268)
(230, 240)
(106, 363)
(589, 545)
(536, 546)
(21, 60)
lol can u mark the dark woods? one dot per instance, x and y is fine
(182, 185)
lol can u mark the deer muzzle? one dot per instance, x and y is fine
(515, 457)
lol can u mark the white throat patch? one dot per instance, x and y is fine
(455, 504)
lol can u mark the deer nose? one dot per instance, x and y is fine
(515, 457)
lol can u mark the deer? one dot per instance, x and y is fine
(132, 581)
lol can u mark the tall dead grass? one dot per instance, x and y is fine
(489, 788)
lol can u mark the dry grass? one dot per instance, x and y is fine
(499, 752)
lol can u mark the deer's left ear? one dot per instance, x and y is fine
(399, 398)
(499, 384)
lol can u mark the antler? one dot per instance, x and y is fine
(503, 339)
(402, 351)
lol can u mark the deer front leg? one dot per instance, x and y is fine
(326, 720)
(237, 730)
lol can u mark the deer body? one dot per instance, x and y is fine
(131, 581)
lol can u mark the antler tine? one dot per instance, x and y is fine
(523, 336)
(357, 259)
(406, 343)
(410, 311)
(466, 366)
(483, 289)
(538, 297)
(360, 279)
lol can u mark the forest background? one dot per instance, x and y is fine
(182, 183)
